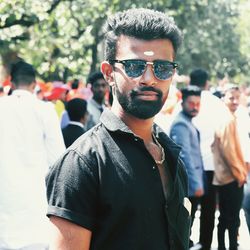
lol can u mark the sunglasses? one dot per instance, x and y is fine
(163, 70)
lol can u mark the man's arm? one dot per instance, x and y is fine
(180, 134)
(53, 138)
(232, 152)
(68, 236)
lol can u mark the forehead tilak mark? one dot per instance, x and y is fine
(148, 53)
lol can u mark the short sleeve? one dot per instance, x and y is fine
(72, 186)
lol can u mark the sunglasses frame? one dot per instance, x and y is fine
(124, 63)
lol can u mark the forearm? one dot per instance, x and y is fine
(68, 236)
(232, 152)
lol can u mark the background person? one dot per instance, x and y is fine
(230, 170)
(31, 140)
(77, 111)
(96, 104)
(211, 114)
(185, 134)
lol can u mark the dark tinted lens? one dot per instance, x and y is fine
(134, 68)
(163, 70)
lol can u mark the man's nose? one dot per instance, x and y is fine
(101, 86)
(236, 101)
(148, 77)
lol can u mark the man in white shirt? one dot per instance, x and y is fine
(31, 140)
(96, 104)
(211, 114)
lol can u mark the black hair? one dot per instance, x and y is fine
(95, 76)
(218, 93)
(199, 77)
(230, 87)
(75, 84)
(142, 24)
(190, 90)
(22, 73)
(76, 109)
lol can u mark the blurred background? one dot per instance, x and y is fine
(63, 38)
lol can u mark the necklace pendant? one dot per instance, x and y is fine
(162, 151)
(159, 162)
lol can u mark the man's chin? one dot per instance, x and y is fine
(145, 110)
(193, 114)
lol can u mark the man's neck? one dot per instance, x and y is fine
(140, 127)
(78, 123)
(187, 115)
(29, 88)
(98, 100)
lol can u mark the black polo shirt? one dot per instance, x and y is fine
(108, 183)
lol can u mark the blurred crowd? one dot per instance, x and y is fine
(211, 124)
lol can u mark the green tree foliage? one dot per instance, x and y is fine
(210, 40)
(243, 31)
(63, 38)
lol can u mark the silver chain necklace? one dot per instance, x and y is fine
(162, 151)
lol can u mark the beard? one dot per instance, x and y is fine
(142, 109)
(191, 114)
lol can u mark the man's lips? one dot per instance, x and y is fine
(194, 111)
(147, 92)
(147, 95)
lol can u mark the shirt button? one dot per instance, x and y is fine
(154, 167)
(136, 139)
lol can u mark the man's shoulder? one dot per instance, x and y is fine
(72, 129)
(86, 151)
(4, 100)
(210, 102)
(181, 120)
(29, 99)
(92, 104)
(90, 140)
(44, 104)
(168, 144)
(67, 129)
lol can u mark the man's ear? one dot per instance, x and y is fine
(32, 87)
(206, 85)
(84, 118)
(107, 71)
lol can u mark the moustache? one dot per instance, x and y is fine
(194, 111)
(139, 89)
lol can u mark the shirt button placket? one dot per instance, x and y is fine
(154, 166)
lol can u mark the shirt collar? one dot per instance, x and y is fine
(186, 117)
(113, 123)
(76, 123)
(96, 104)
(22, 92)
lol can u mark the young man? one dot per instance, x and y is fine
(231, 156)
(185, 134)
(31, 141)
(96, 104)
(122, 186)
(77, 111)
